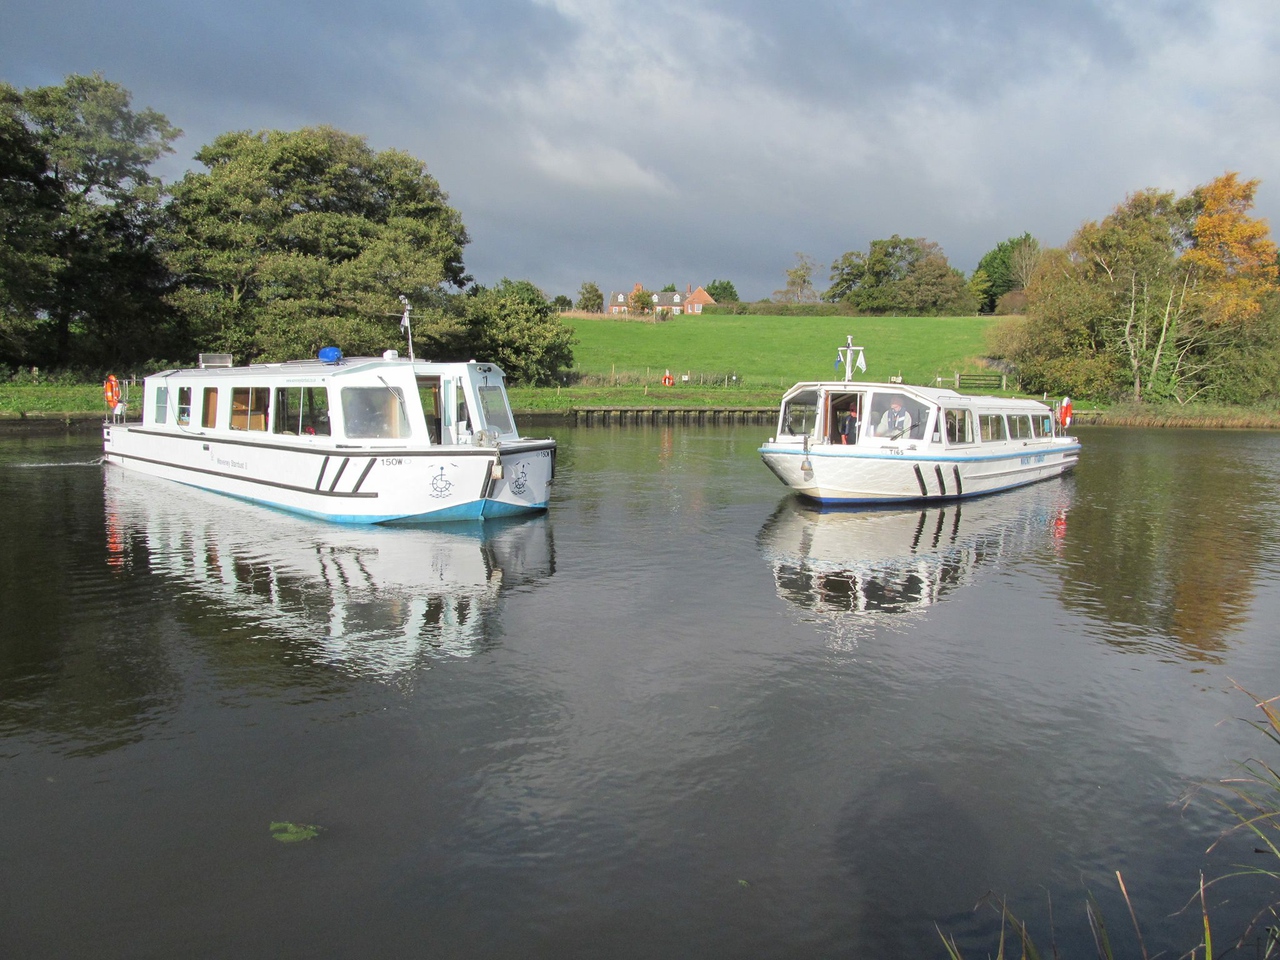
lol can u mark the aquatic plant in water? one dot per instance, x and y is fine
(287, 832)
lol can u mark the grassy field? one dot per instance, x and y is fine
(775, 351)
(50, 401)
(730, 362)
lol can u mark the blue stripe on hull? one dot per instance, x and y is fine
(932, 498)
(475, 510)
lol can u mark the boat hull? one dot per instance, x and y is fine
(347, 483)
(837, 474)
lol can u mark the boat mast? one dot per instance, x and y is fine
(847, 353)
(406, 327)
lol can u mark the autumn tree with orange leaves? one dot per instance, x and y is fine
(1232, 252)
(1167, 298)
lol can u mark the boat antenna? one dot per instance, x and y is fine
(404, 323)
(845, 355)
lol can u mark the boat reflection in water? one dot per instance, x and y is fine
(874, 562)
(375, 601)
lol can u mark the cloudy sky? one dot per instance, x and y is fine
(680, 142)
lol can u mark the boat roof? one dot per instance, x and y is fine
(935, 395)
(314, 369)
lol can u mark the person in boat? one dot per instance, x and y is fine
(896, 421)
(849, 426)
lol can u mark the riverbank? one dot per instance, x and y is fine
(49, 407)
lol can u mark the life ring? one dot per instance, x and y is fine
(111, 391)
(668, 380)
(1064, 412)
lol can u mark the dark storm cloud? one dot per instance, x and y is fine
(672, 141)
(863, 50)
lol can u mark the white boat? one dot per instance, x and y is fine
(852, 442)
(362, 440)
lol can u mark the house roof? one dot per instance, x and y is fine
(667, 299)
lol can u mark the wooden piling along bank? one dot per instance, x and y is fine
(604, 416)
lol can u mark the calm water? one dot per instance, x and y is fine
(680, 716)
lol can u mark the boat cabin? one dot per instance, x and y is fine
(874, 414)
(378, 400)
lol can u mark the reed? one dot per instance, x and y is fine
(1252, 799)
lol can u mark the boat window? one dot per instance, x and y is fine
(249, 408)
(896, 416)
(959, 426)
(1042, 425)
(799, 415)
(372, 413)
(301, 411)
(1019, 426)
(992, 426)
(209, 415)
(493, 404)
(184, 406)
(161, 413)
(429, 395)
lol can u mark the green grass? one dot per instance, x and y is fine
(52, 399)
(773, 351)
(730, 361)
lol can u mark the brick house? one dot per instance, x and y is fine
(691, 301)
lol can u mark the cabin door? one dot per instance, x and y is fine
(843, 412)
(457, 413)
(432, 405)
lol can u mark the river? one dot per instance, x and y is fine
(681, 715)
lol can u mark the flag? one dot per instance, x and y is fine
(861, 364)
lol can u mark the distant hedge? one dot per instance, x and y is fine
(767, 308)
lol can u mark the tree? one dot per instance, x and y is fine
(1023, 259)
(99, 147)
(1173, 296)
(669, 288)
(103, 299)
(933, 286)
(562, 303)
(1008, 266)
(979, 285)
(513, 325)
(590, 299)
(640, 301)
(900, 276)
(722, 291)
(1232, 251)
(799, 288)
(295, 240)
(30, 206)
